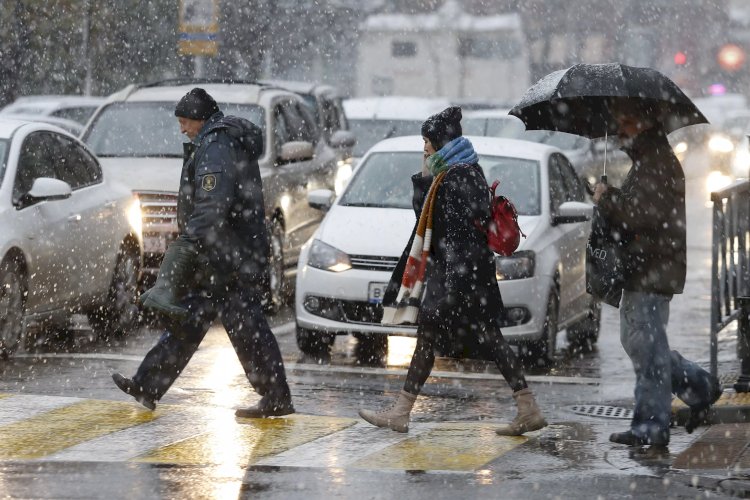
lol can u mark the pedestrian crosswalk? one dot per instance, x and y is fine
(53, 428)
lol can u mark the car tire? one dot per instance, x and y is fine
(541, 352)
(583, 335)
(119, 315)
(13, 288)
(276, 293)
(372, 349)
(315, 344)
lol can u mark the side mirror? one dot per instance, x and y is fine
(296, 151)
(321, 199)
(573, 211)
(342, 139)
(46, 188)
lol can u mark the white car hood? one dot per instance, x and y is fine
(144, 174)
(381, 231)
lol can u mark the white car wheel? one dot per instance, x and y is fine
(119, 315)
(542, 351)
(583, 335)
(12, 306)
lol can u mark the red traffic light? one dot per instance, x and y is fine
(680, 58)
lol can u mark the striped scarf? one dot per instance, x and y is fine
(409, 296)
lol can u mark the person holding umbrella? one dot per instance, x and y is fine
(645, 221)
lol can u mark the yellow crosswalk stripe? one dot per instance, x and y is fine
(55, 430)
(246, 441)
(449, 447)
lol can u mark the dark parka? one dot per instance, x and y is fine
(220, 205)
(650, 209)
(461, 291)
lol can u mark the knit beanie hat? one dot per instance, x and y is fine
(196, 105)
(443, 127)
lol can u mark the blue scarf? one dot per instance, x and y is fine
(459, 150)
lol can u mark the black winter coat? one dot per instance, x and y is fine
(461, 291)
(650, 209)
(220, 204)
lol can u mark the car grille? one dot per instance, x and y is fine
(346, 311)
(159, 211)
(373, 263)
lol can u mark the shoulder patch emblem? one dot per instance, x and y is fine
(209, 182)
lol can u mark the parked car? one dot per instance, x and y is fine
(77, 108)
(71, 239)
(136, 136)
(325, 103)
(70, 126)
(344, 268)
(373, 119)
(587, 156)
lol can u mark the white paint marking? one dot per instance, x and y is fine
(22, 406)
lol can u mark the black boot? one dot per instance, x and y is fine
(698, 413)
(176, 276)
(128, 386)
(267, 407)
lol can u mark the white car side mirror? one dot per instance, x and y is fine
(573, 211)
(342, 139)
(321, 199)
(296, 151)
(46, 188)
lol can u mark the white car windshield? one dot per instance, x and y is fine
(369, 132)
(383, 180)
(149, 129)
(513, 128)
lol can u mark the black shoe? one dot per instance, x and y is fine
(128, 386)
(264, 408)
(630, 439)
(698, 413)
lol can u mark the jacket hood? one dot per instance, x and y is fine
(249, 135)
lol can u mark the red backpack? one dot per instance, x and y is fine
(504, 233)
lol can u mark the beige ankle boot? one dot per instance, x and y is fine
(394, 417)
(529, 417)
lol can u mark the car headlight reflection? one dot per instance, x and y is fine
(135, 217)
(328, 258)
(720, 144)
(518, 266)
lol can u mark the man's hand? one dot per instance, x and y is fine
(425, 168)
(599, 190)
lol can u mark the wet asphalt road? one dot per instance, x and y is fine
(343, 458)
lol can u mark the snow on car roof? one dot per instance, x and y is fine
(49, 103)
(393, 107)
(242, 93)
(483, 145)
(9, 124)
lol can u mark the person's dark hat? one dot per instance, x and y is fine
(196, 105)
(443, 127)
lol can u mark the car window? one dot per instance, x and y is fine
(149, 129)
(35, 161)
(573, 187)
(371, 131)
(384, 180)
(80, 114)
(556, 185)
(298, 121)
(74, 165)
(474, 126)
(309, 129)
(3, 158)
(280, 129)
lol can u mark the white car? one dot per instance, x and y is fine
(78, 108)
(70, 240)
(343, 270)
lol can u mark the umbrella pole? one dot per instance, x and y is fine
(604, 175)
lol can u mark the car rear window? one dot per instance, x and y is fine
(384, 180)
(149, 129)
(369, 132)
(513, 128)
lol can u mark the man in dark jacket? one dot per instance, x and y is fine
(649, 212)
(219, 261)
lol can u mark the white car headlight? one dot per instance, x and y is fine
(518, 266)
(328, 258)
(719, 143)
(135, 217)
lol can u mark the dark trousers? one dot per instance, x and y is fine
(241, 313)
(490, 340)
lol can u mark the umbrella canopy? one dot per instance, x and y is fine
(579, 100)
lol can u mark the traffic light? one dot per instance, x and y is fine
(680, 58)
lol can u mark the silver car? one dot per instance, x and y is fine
(70, 240)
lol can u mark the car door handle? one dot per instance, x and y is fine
(74, 218)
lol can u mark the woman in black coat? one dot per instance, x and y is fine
(454, 297)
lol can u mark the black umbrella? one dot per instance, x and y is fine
(578, 100)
